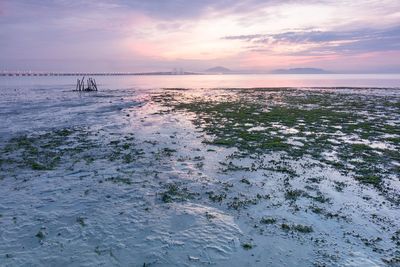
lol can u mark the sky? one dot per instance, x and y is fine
(159, 35)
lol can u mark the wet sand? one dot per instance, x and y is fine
(192, 177)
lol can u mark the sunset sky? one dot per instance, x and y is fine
(158, 35)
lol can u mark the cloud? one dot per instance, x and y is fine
(183, 9)
(160, 9)
(182, 31)
(319, 42)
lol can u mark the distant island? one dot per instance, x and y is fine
(218, 69)
(300, 71)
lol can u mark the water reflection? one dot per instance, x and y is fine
(218, 81)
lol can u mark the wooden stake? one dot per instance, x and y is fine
(95, 85)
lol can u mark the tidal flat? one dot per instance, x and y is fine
(201, 177)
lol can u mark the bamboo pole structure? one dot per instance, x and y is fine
(91, 85)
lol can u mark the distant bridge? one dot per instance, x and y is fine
(29, 73)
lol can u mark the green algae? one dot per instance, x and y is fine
(259, 121)
(268, 220)
(297, 228)
(247, 246)
(48, 151)
(176, 193)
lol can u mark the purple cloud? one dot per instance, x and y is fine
(365, 40)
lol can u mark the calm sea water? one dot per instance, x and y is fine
(216, 81)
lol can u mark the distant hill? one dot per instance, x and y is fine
(300, 71)
(218, 69)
